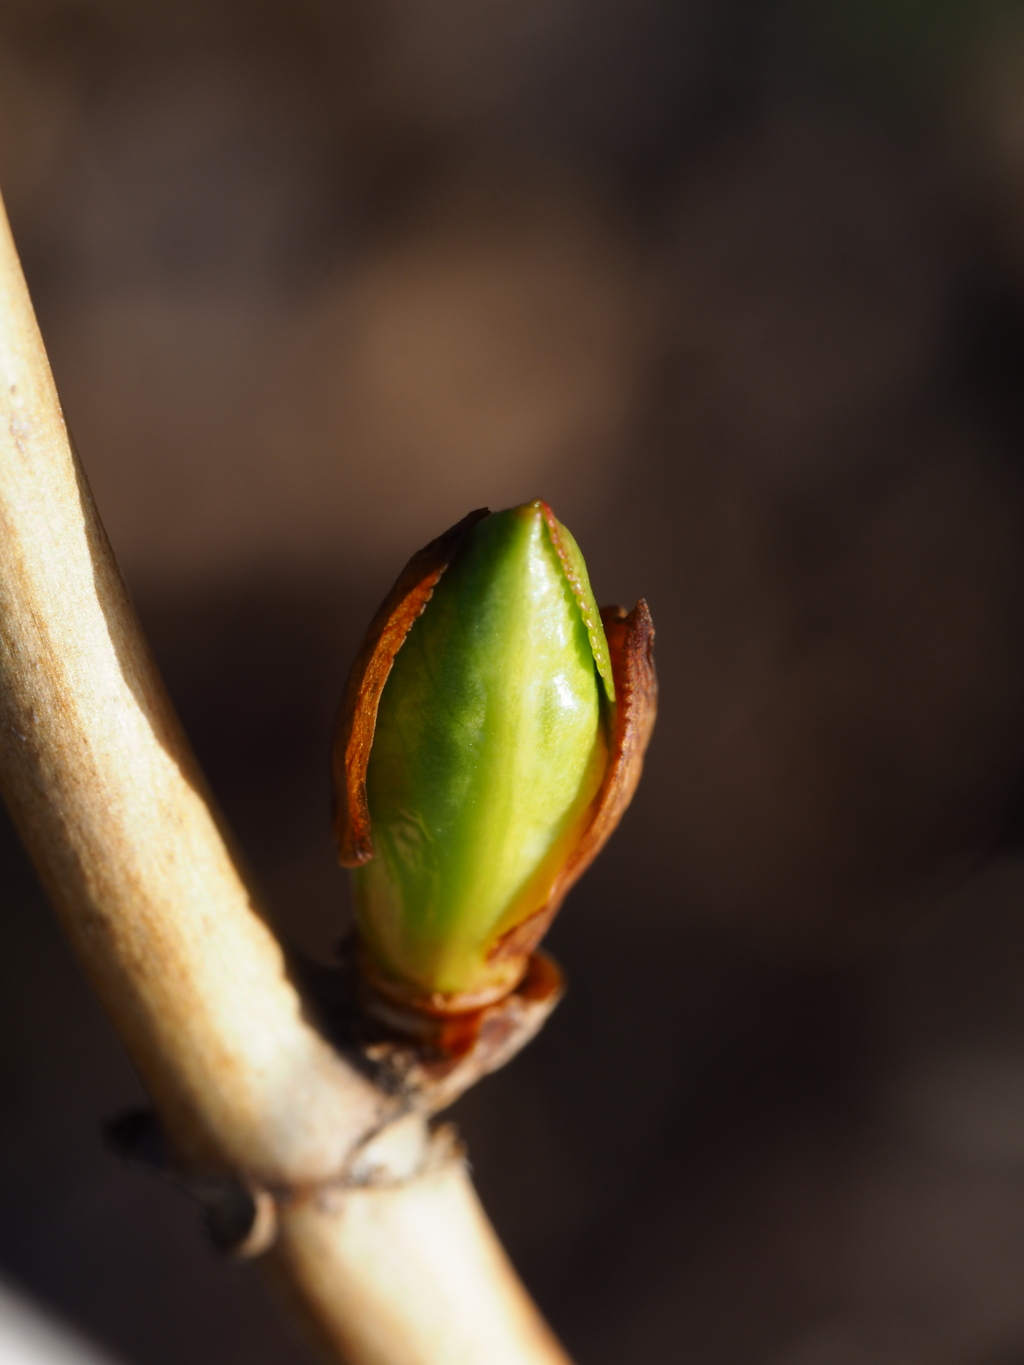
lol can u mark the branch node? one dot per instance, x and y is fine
(241, 1218)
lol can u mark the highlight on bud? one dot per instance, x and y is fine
(491, 736)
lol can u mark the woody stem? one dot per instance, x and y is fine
(110, 803)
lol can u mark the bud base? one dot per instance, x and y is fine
(432, 1059)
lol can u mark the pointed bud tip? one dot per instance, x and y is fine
(575, 569)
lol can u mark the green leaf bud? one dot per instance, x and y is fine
(491, 748)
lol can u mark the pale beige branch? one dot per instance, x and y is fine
(402, 1269)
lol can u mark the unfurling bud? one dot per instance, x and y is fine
(491, 736)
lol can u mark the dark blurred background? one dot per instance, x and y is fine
(739, 287)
